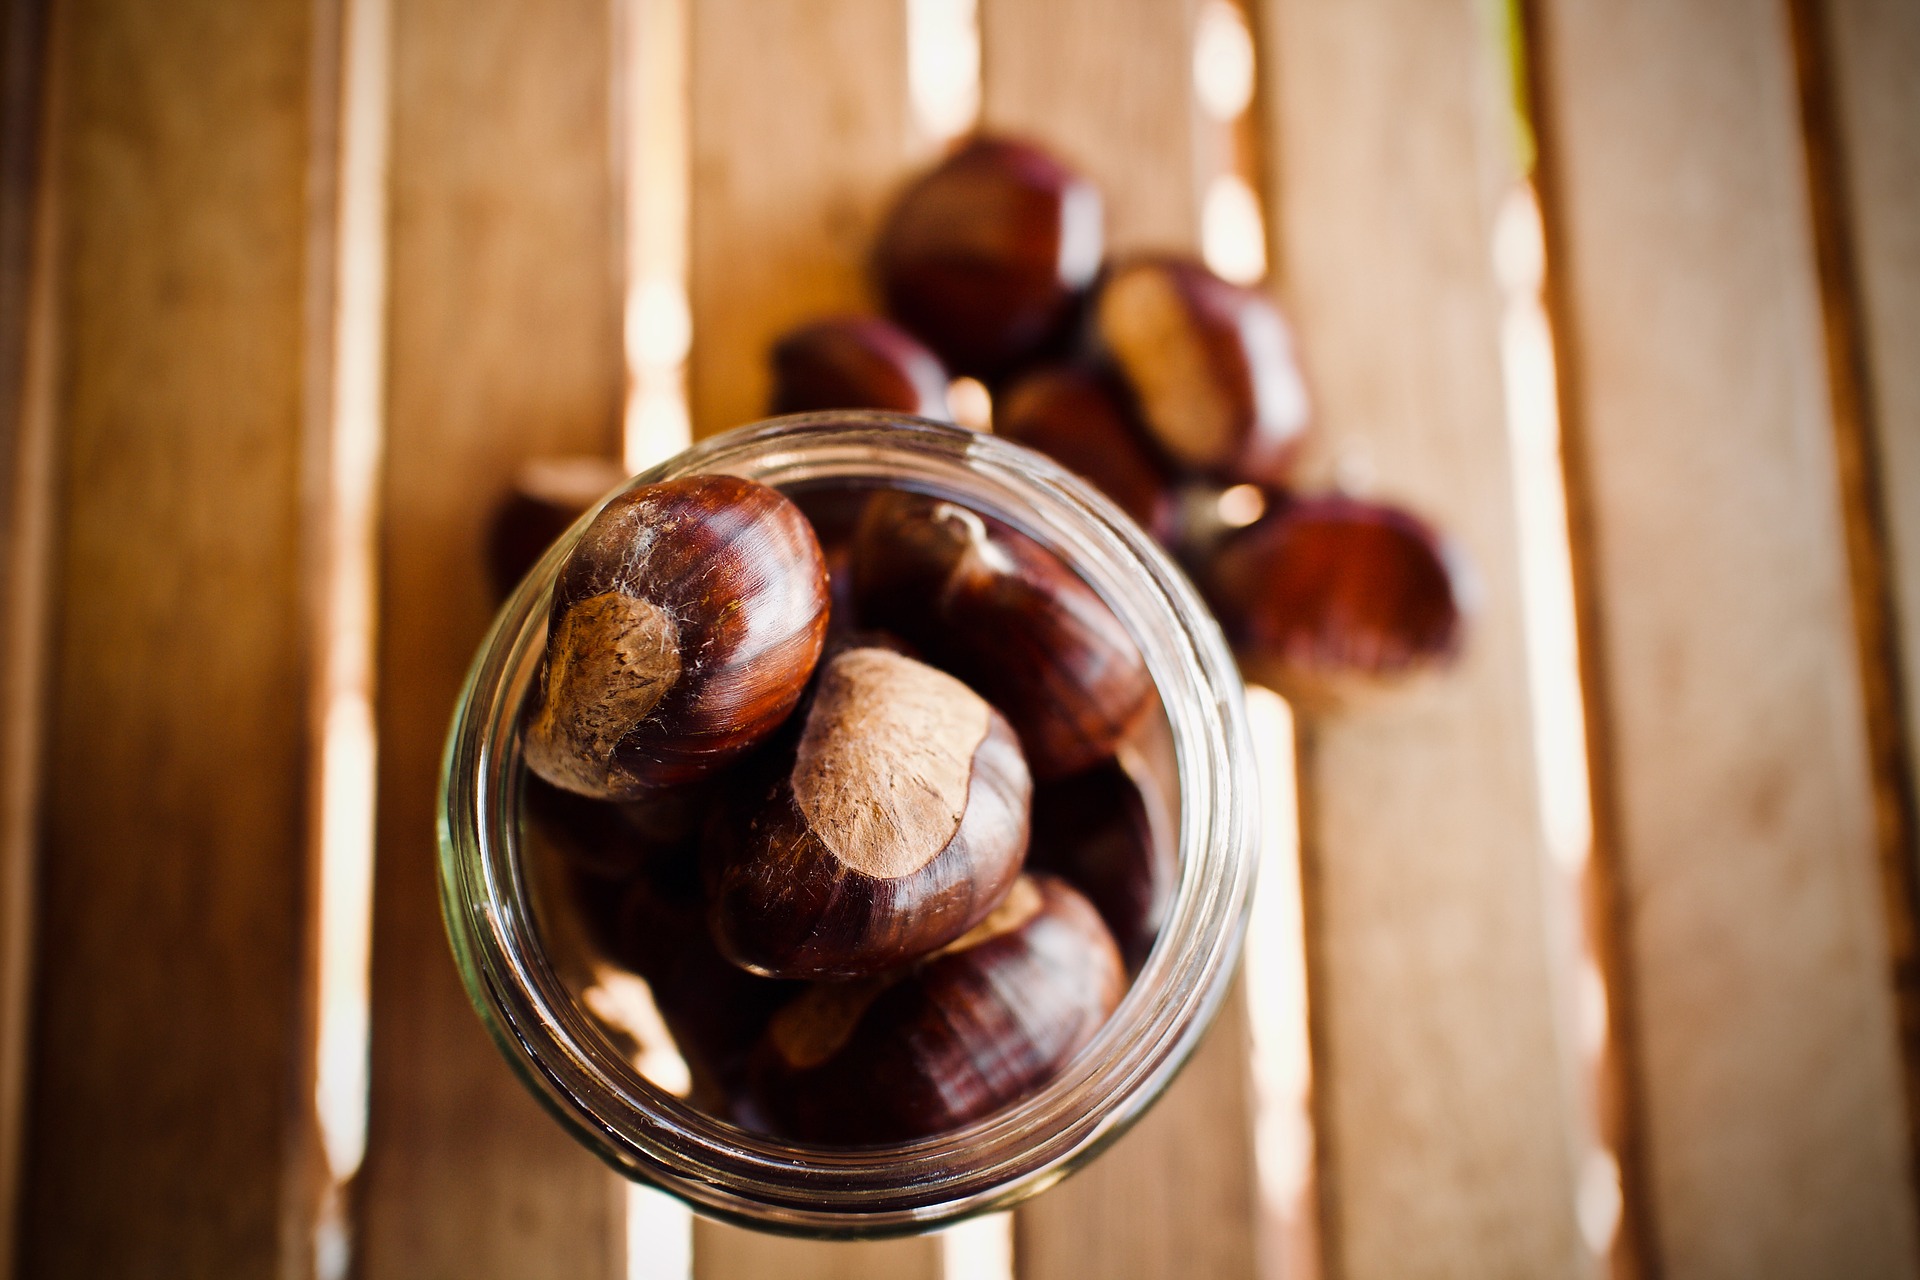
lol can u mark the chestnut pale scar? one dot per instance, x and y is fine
(611, 660)
(812, 1028)
(922, 727)
(1141, 315)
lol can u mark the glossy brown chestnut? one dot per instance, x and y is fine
(684, 628)
(1095, 830)
(1210, 367)
(1004, 614)
(548, 495)
(986, 256)
(1321, 594)
(895, 825)
(857, 362)
(1077, 418)
(966, 1031)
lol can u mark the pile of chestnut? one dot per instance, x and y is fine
(853, 810)
(836, 772)
(1177, 393)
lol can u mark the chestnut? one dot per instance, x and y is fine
(1004, 614)
(683, 629)
(1077, 418)
(894, 825)
(857, 362)
(964, 1032)
(548, 495)
(1323, 595)
(1210, 367)
(986, 257)
(1096, 830)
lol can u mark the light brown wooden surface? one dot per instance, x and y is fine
(721, 1252)
(1873, 48)
(504, 345)
(800, 133)
(168, 1133)
(1731, 743)
(1869, 76)
(1444, 1125)
(1174, 1197)
(1107, 84)
(26, 496)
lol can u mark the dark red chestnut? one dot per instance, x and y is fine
(1322, 594)
(959, 1035)
(548, 495)
(986, 256)
(1210, 367)
(857, 362)
(684, 627)
(895, 825)
(1075, 416)
(1095, 830)
(1004, 614)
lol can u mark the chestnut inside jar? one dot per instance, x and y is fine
(595, 1041)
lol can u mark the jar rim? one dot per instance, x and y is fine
(648, 1134)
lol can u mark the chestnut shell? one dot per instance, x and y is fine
(1095, 831)
(1006, 615)
(856, 362)
(1323, 592)
(684, 627)
(959, 1035)
(986, 256)
(1079, 419)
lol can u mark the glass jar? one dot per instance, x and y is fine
(1204, 767)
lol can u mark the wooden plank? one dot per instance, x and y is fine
(1444, 1125)
(1731, 745)
(800, 133)
(1110, 87)
(799, 124)
(26, 497)
(504, 324)
(1860, 88)
(170, 1066)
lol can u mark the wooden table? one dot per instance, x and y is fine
(289, 288)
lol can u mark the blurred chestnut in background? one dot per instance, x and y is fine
(684, 627)
(1095, 831)
(548, 495)
(857, 362)
(1075, 416)
(895, 825)
(1323, 595)
(985, 257)
(1004, 614)
(1210, 367)
(967, 1030)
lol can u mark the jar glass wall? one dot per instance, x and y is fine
(502, 923)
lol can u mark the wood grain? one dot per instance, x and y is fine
(1732, 747)
(170, 1113)
(26, 498)
(800, 133)
(1176, 1196)
(504, 344)
(1110, 87)
(1108, 84)
(1444, 1122)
